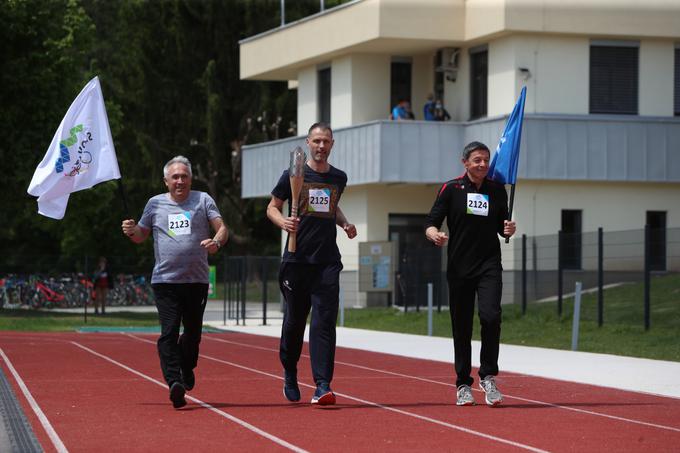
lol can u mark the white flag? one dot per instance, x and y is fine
(80, 156)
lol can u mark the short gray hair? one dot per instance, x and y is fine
(177, 160)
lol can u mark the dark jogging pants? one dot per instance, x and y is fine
(305, 287)
(488, 288)
(179, 303)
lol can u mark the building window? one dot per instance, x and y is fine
(676, 102)
(479, 72)
(614, 78)
(571, 238)
(324, 85)
(656, 221)
(400, 81)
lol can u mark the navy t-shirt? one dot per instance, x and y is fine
(318, 203)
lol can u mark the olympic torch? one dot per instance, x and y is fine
(297, 177)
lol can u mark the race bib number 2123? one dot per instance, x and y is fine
(179, 224)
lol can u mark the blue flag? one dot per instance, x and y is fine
(503, 167)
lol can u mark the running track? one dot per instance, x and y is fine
(104, 392)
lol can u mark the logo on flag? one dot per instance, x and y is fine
(84, 158)
(80, 156)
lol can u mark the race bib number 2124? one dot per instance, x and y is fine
(477, 204)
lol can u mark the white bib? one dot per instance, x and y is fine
(179, 224)
(319, 200)
(477, 204)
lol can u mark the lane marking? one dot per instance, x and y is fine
(371, 403)
(47, 426)
(519, 398)
(234, 419)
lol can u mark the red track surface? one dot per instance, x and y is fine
(101, 392)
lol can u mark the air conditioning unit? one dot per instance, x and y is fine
(446, 61)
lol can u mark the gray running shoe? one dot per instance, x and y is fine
(464, 396)
(492, 394)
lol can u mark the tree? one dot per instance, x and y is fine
(170, 78)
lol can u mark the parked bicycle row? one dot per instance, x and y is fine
(70, 291)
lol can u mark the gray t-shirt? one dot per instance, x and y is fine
(178, 229)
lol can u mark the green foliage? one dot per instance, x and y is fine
(170, 77)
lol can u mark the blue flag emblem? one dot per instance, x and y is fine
(503, 167)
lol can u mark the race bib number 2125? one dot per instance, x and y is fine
(319, 200)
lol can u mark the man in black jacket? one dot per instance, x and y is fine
(476, 212)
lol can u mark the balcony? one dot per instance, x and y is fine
(554, 147)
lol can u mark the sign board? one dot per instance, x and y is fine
(376, 266)
(212, 279)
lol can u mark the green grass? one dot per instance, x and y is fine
(622, 332)
(44, 321)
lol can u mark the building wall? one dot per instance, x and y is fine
(408, 27)
(558, 73)
(341, 92)
(370, 87)
(613, 206)
(558, 80)
(656, 77)
(368, 208)
(307, 98)
(502, 77)
(422, 82)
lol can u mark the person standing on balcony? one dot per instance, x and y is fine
(309, 278)
(476, 212)
(428, 108)
(402, 111)
(440, 113)
(180, 220)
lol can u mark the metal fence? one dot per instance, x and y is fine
(251, 288)
(546, 269)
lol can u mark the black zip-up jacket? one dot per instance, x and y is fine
(473, 247)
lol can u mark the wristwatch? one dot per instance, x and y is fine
(217, 243)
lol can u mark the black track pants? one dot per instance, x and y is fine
(305, 287)
(488, 289)
(179, 303)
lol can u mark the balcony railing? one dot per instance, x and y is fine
(554, 147)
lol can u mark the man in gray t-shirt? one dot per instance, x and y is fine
(180, 221)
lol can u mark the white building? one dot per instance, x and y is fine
(601, 139)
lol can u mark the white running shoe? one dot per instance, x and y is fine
(464, 396)
(492, 394)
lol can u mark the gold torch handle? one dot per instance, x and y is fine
(292, 237)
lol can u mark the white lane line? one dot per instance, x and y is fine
(236, 420)
(371, 403)
(519, 398)
(51, 433)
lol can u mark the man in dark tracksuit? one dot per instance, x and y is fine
(309, 277)
(476, 212)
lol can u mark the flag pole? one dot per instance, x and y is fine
(512, 203)
(126, 211)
